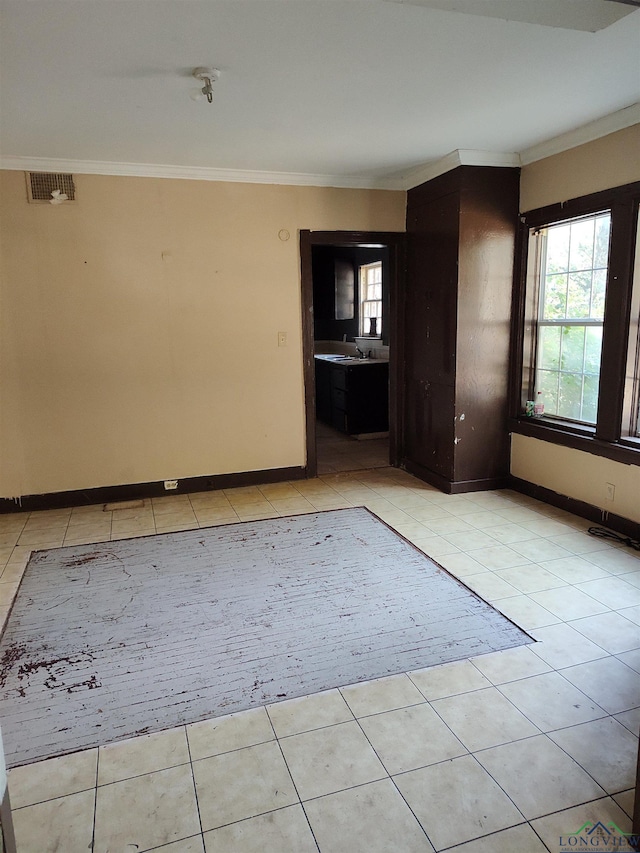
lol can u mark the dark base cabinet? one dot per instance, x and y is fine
(353, 398)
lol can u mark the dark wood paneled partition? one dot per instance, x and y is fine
(461, 230)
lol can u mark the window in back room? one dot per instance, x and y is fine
(371, 299)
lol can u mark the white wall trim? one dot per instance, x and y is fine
(472, 157)
(397, 181)
(196, 173)
(579, 136)
(460, 157)
(404, 180)
(427, 171)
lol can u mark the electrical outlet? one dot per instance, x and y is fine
(282, 339)
(170, 484)
(611, 491)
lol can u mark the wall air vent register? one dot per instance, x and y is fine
(41, 185)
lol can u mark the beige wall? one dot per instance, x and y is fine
(577, 474)
(607, 162)
(139, 327)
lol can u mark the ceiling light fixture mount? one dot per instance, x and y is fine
(207, 76)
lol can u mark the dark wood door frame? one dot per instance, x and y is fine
(395, 241)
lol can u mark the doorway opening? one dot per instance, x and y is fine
(350, 300)
(337, 452)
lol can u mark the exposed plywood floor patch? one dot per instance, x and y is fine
(117, 639)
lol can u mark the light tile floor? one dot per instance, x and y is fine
(502, 753)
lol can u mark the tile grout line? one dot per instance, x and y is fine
(473, 754)
(293, 781)
(95, 802)
(390, 777)
(193, 780)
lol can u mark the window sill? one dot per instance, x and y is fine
(578, 438)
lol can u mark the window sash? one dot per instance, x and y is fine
(370, 282)
(615, 435)
(571, 394)
(570, 322)
(631, 403)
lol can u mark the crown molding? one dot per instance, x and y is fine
(472, 157)
(460, 157)
(580, 135)
(196, 173)
(428, 171)
(404, 180)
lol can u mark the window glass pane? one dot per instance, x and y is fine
(547, 382)
(558, 248)
(568, 370)
(579, 294)
(555, 297)
(590, 399)
(581, 245)
(371, 309)
(570, 396)
(572, 357)
(372, 291)
(549, 348)
(593, 348)
(602, 231)
(597, 294)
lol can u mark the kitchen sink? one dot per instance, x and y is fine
(345, 359)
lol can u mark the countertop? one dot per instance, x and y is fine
(349, 361)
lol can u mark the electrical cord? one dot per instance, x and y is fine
(603, 533)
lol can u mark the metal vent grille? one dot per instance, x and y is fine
(40, 185)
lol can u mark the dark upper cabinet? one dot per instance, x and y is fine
(335, 281)
(460, 247)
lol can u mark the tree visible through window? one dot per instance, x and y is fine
(577, 323)
(573, 266)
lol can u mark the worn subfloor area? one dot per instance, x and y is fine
(137, 636)
(504, 752)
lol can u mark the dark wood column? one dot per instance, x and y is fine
(461, 230)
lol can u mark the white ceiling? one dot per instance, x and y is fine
(587, 15)
(343, 90)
